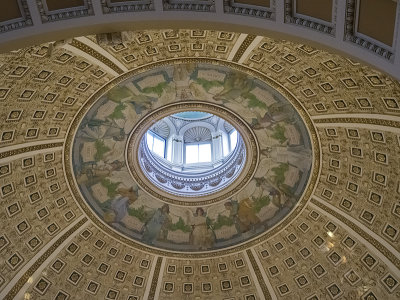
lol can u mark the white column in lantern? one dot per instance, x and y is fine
(177, 151)
(217, 153)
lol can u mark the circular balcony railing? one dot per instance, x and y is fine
(192, 184)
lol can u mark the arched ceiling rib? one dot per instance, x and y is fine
(346, 235)
(341, 26)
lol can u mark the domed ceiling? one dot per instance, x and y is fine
(268, 192)
(316, 218)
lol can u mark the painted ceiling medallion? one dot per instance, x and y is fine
(172, 180)
(198, 158)
(274, 177)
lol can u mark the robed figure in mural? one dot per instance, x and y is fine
(243, 214)
(105, 177)
(202, 236)
(156, 224)
(121, 204)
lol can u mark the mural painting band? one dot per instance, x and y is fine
(278, 183)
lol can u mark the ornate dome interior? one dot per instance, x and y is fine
(303, 204)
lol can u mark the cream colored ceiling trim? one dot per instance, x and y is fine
(235, 48)
(257, 270)
(102, 52)
(25, 277)
(93, 56)
(389, 255)
(152, 281)
(358, 116)
(159, 279)
(17, 151)
(196, 18)
(37, 273)
(246, 43)
(373, 124)
(253, 44)
(256, 279)
(91, 59)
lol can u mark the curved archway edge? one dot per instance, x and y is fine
(46, 32)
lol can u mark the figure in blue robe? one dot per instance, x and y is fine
(158, 221)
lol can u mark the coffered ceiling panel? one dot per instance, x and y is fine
(10, 10)
(369, 26)
(265, 3)
(315, 216)
(62, 4)
(376, 18)
(320, 9)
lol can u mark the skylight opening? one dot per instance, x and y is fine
(192, 141)
(198, 153)
(193, 156)
(155, 143)
(233, 139)
(192, 115)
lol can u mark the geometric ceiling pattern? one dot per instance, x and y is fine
(343, 243)
(366, 29)
(220, 218)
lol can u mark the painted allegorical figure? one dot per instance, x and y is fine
(105, 179)
(120, 205)
(93, 172)
(243, 214)
(235, 85)
(160, 220)
(202, 237)
(102, 129)
(262, 122)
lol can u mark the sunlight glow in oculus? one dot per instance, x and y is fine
(192, 140)
(131, 175)
(194, 156)
(233, 137)
(155, 143)
(192, 115)
(198, 153)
